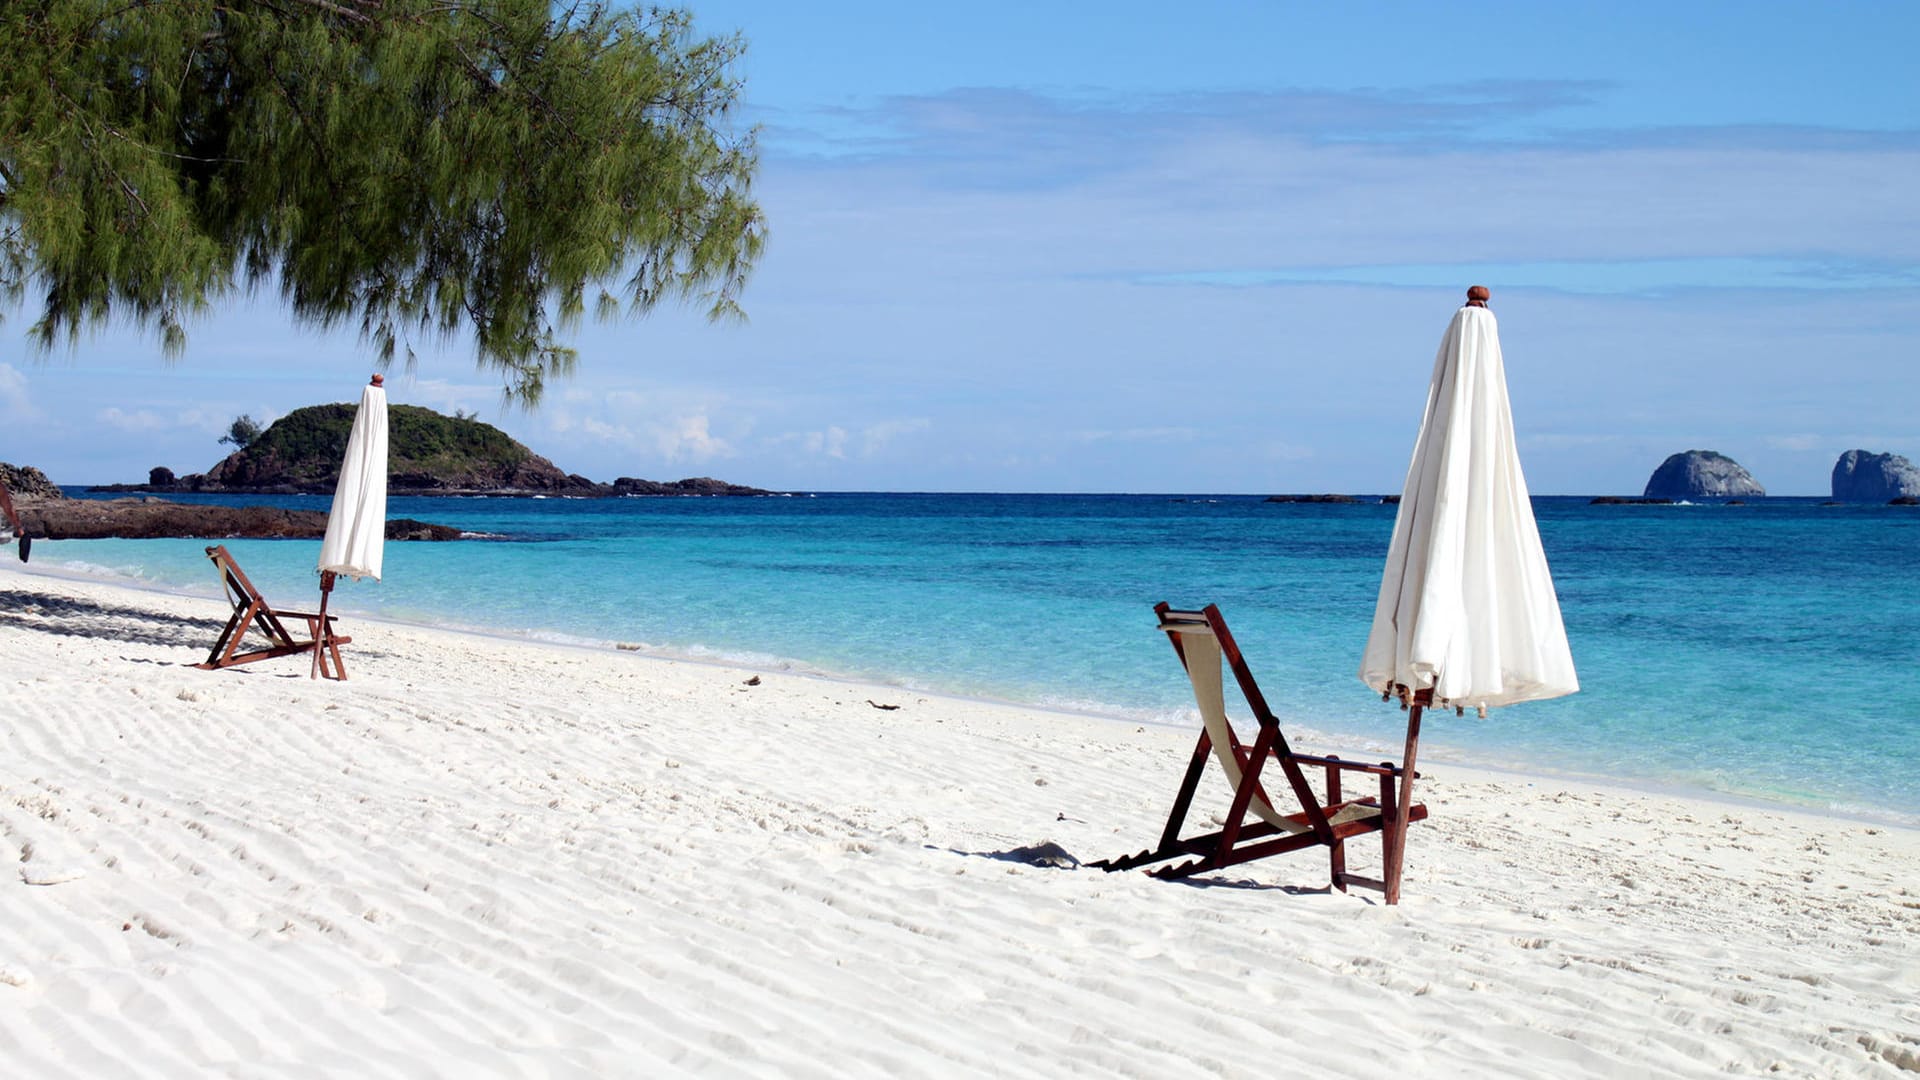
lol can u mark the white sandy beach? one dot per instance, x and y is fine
(482, 857)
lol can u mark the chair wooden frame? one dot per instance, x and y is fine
(251, 611)
(1329, 823)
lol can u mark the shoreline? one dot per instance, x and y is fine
(1434, 748)
(491, 856)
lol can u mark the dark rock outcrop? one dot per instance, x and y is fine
(27, 482)
(1701, 474)
(1860, 476)
(1311, 499)
(150, 518)
(1624, 500)
(696, 485)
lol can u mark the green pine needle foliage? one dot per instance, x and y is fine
(411, 168)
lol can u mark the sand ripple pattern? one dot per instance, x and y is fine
(484, 858)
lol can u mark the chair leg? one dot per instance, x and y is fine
(1336, 851)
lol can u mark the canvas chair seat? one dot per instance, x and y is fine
(1204, 644)
(252, 612)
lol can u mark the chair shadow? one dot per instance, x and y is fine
(1052, 856)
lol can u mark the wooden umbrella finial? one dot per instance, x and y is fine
(379, 380)
(1478, 295)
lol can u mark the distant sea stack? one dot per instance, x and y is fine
(1860, 476)
(1701, 474)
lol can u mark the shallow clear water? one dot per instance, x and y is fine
(1766, 650)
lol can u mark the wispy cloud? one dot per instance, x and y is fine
(689, 439)
(1808, 443)
(874, 438)
(840, 444)
(1398, 189)
(1644, 277)
(1135, 435)
(151, 421)
(16, 405)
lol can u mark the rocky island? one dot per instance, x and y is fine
(300, 454)
(1697, 474)
(1860, 476)
(428, 453)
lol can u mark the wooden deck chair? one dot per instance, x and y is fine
(251, 611)
(1202, 641)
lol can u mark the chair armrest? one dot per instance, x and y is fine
(1384, 768)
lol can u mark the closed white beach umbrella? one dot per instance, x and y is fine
(1467, 616)
(357, 523)
(1467, 608)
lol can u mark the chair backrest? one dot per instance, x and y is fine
(1203, 642)
(245, 598)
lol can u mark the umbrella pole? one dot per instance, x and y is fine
(1397, 847)
(320, 634)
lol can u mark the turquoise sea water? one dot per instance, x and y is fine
(1767, 650)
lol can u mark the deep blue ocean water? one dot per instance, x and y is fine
(1767, 650)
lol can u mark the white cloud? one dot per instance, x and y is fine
(607, 433)
(15, 404)
(1798, 442)
(1139, 434)
(875, 437)
(1568, 441)
(442, 395)
(831, 442)
(138, 421)
(689, 438)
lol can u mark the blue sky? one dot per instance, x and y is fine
(1052, 246)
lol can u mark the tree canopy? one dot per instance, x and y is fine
(242, 432)
(412, 167)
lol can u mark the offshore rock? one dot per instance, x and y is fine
(695, 485)
(1860, 476)
(1701, 474)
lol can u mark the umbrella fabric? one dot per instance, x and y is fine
(357, 524)
(1467, 607)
